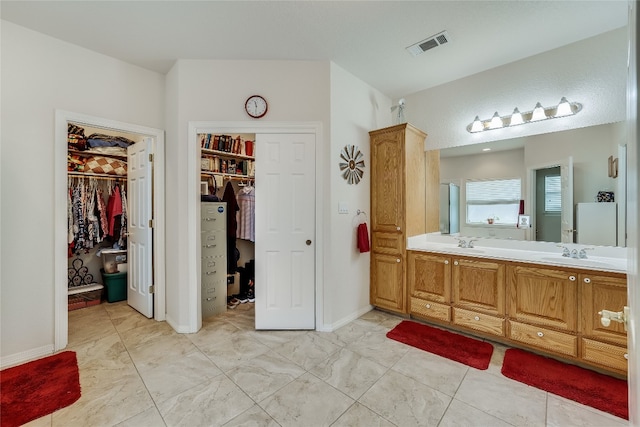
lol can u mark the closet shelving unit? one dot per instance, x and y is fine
(234, 150)
(90, 293)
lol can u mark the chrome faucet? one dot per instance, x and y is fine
(565, 251)
(464, 244)
(583, 253)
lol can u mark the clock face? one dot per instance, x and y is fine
(256, 106)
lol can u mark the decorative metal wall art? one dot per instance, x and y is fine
(352, 166)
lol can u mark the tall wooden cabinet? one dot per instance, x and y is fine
(404, 202)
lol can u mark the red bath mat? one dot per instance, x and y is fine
(581, 385)
(38, 388)
(471, 352)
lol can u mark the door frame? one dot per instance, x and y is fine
(530, 197)
(61, 317)
(193, 201)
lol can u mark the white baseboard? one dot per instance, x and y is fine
(350, 318)
(181, 329)
(26, 356)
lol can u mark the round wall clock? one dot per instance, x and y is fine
(256, 106)
(353, 165)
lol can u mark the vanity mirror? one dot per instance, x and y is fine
(543, 164)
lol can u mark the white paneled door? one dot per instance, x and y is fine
(285, 230)
(139, 215)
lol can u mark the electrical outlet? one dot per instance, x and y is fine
(343, 208)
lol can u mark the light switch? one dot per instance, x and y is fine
(343, 208)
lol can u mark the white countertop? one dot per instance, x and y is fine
(602, 258)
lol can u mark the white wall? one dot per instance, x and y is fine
(592, 71)
(356, 109)
(40, 74)
(206, 90)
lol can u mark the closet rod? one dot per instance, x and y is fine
(95, 176)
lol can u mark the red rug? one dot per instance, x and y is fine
(590, 388)
(38, 388)
(471, 352)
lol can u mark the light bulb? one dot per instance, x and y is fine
(538, 113)
(516, 118)
(496, 122)
(564, 108)
(477, 125)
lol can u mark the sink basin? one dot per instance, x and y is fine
(578, 262)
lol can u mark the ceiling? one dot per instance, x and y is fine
(366, 38)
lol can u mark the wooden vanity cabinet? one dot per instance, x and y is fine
(429, 279)
(478, 295)
(403, 179)
(600, 345)
(543, 308)
(550, 310)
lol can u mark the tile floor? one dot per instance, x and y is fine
(138, 372)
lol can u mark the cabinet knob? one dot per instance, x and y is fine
(446, 261)
(428, 305)
(476, 318)
(397, 259)
(587, 280)
(626, 356)
(572, 278)
(540, 334)
(398, 228)
(455, 262)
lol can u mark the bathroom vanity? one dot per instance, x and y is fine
(523, 294)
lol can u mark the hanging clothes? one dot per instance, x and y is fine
(247, 214)
(229, 197)
(114, 208)
(89, 218)
(123, 221)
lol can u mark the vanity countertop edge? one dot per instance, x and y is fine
(599, 258)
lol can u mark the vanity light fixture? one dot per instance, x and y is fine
(539, 113)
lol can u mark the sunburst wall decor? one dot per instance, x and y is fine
(352, 167)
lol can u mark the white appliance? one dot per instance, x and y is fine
(597, 224)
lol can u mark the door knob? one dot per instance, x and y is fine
(308, 242)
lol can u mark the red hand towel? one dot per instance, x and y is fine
(363, 238)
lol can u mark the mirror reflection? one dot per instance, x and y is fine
(569, 185)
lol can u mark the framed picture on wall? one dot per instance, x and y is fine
(524, 221)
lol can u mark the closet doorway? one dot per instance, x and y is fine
(288, 286)
(144, 232)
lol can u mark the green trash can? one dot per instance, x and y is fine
(116, 284)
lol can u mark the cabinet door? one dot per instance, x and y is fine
(478, 285)
(387, 284)
(543, 296)
(600, 292)
(429, 276)
(387, 171)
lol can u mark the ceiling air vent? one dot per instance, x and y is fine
(429, 43)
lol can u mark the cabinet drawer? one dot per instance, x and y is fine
(430, 309)
(478, 321)
(390, 243)
(607, 355)
(213, 216)
(214, 243)
(213, 265)
(547, 339)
